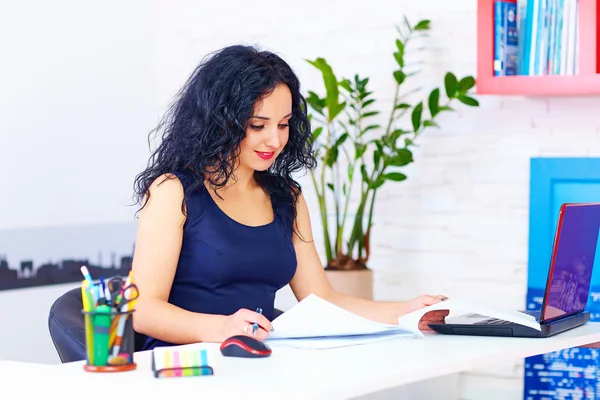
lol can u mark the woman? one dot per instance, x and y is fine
(223, 225)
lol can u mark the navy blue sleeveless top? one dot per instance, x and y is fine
(225, 265)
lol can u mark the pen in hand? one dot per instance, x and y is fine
(255, 326)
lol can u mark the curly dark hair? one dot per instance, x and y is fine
(203, 128)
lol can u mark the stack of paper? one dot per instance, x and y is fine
(315, 323)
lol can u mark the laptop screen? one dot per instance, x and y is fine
(568, 287)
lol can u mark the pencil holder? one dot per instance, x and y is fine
(109, 340)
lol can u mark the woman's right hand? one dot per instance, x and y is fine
(241, 323)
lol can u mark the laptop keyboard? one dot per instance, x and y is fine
(496, 321)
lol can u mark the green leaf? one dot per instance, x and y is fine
(344, 188)
(341, 139)
(400, 46)
(370, 114)
(368, 103)
(401, 158)
(416, 117)
(395, 135)
(399, 58)
(387, 141)
(434, 102)
(350, 171)
(368, 128)
(430, 123)
(446, 108)
(360, 83)
(466, 83)
(395, 176)
(360, 149)
(316, 133)
(376, 159)
(451, 84)
(363, 173)
(422, 25)
(330, 186)
(335, 110)
(331, 86)
(331, 156)
(364, 95)
(345, 83)
(467, 100)
(315, 102)
(398, 132)
(400, 76)
(402, 105)
(378, 182)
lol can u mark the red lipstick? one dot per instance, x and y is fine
(265, 156)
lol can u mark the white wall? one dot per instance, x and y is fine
(76, 103)
(77, 99)
(460, 223)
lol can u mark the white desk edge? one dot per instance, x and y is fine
(326, 374)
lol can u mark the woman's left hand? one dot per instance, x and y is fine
(436, 316)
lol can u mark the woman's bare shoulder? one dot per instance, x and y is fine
(165, 196)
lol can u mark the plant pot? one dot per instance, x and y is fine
(357, 283)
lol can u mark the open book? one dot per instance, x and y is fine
(318, 324)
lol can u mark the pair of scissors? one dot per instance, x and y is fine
(127, 295)
(121, 292)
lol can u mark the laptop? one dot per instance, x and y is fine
(567, 284)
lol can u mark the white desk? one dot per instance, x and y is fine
(300, 374)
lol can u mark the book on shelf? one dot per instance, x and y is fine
(506, 41)
(546, 37)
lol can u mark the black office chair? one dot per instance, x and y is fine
(67, 327)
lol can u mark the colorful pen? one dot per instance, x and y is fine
(88, 307)
(255, 326)
(86, 275)
(120, 330)
(92, 287)
(102, 320)
(102, 292)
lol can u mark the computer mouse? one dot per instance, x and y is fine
(244, 346)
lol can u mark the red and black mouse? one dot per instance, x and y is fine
(244, 346)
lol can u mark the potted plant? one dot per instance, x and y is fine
(358, 156)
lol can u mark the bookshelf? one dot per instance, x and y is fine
(587, 82)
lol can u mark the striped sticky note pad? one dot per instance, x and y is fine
(170, 362)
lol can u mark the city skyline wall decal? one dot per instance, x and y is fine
(44, 256)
